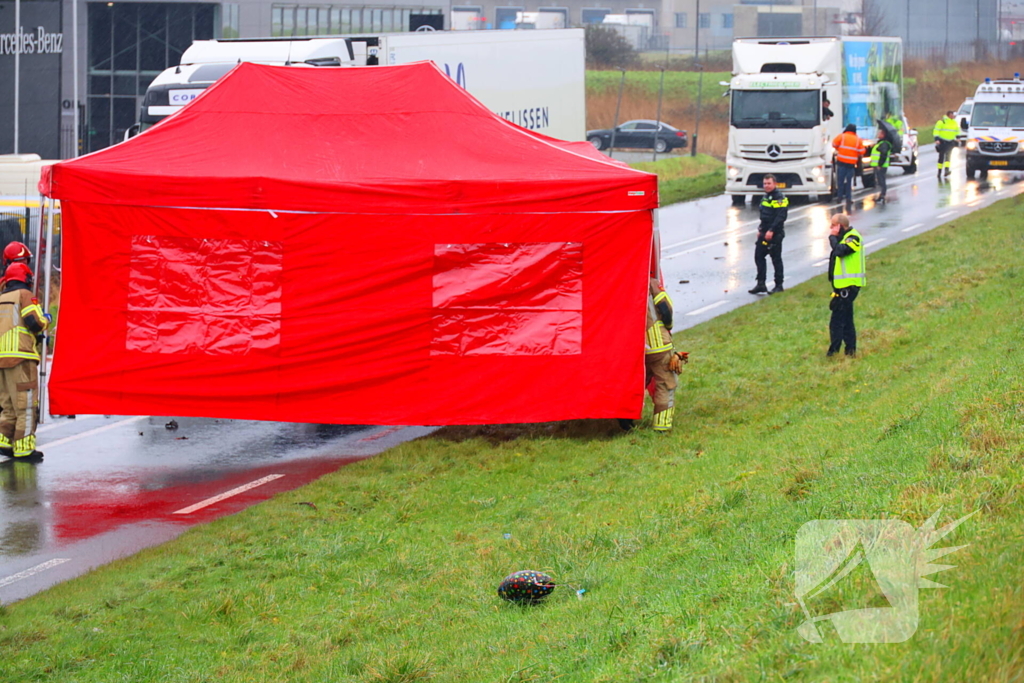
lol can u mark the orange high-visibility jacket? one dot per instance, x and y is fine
(849, 148)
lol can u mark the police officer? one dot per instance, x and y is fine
(774, 209)
(21, 322)
(945, 140)
(847, 276)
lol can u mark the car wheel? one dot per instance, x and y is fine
(597, 142)
(660, 146)
(739, 199)
(912, 168)
(983, 174)
(970, 172)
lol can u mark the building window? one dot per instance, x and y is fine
(594, 16)
(505, 17)
(291, 20)
(130, 44)
(704, 20)
(467, 18)
(726, 21)
(640, 17)
(680, 19)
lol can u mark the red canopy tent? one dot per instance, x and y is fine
(350, 245)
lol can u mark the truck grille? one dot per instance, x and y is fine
(774, 152)
(998, 147)
(787, 179)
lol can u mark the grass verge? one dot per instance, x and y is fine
(684, 543)
(682, 178)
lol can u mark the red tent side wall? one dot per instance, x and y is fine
(391, 319)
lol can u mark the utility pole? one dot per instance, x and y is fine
(657, 130)
(696, 63)
(17, 72)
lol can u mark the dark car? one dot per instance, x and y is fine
(640, 134)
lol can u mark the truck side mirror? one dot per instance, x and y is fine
(963, 124)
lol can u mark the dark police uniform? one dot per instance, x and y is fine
(774, 209)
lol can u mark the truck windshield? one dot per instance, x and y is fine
(776, 108)
(1008, 114)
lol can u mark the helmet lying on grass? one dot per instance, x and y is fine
(526, 586)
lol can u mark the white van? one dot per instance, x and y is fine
(995, 131)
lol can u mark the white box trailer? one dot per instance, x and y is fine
(777, 120)
(533, 78)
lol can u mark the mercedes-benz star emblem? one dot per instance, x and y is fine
(774, 151)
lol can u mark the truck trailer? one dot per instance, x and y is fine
(779, 123)
(534, 79)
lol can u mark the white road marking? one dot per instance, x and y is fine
(915, 226)
(708, 235)
(947, 214)
(820, 263)
(874, 242)
(227, 494)
(708, 245)
(708, 307)
(32, 571)
(63, 423)
(98, 430)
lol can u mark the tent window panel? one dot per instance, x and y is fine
(508, 299)
(195, 296)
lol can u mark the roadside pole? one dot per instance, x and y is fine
(618, 105)
(47, 275)
(657, 130)
(696, 130)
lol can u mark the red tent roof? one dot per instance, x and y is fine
(375, 139)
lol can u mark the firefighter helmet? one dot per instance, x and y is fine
(18, 272)
(16, 251)
(526, 586)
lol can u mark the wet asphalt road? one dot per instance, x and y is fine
(110, 486)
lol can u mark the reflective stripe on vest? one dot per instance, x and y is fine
(849, 270)
(775, 204)
(654, 342)
(876, 155)
(846, 153)
(946, 129)
(12, 341)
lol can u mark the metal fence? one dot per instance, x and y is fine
(972, 51)
(21, 225)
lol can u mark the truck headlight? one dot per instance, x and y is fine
(972, 145)
(733, 171)
(1020, 146)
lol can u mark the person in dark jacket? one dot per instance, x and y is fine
(881, 152)
(774, 209)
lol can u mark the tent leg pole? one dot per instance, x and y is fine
(47, 276)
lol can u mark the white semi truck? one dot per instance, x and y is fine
(995, 127)
(778, 120)
(533, 78)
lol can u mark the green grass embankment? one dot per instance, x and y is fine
(682, 178)
(678, 84)
(684, 543)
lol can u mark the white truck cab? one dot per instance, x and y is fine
(995, 128)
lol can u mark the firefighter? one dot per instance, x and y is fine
(661, 363)
(16, 252)
(846, 273)
(22, 322)
(945, 140)
(774, 210)
(849, 150)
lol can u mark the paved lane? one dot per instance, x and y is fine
(709, 244)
